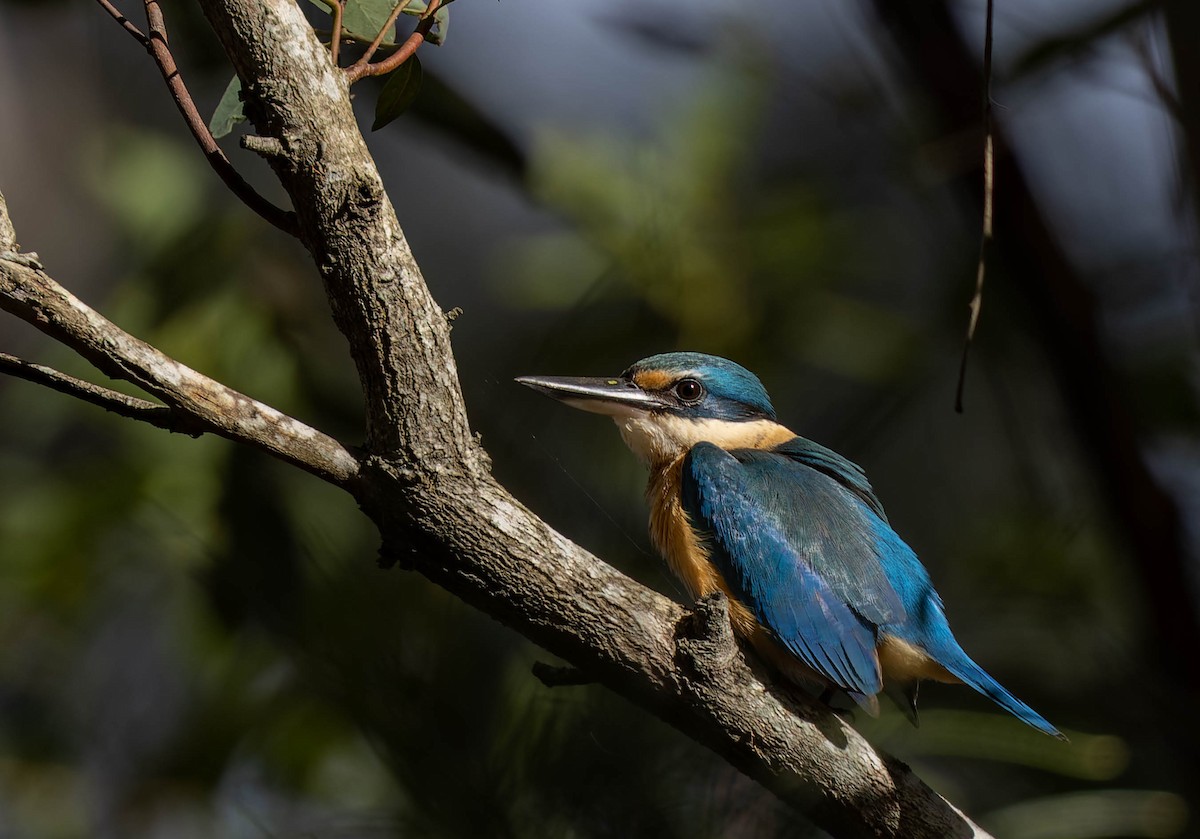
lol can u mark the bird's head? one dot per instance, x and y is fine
(667, 403)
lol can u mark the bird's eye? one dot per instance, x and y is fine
(689, 390)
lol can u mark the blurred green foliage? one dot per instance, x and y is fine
(679, 223)
(194, 640)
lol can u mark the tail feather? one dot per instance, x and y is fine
(972, 674)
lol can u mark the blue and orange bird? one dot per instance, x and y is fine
(818, 582)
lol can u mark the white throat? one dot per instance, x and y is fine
(661, 438)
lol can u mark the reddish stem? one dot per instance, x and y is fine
(156, 44)
(125, 22)
(362, 68)
(339, 7)
(379, 36)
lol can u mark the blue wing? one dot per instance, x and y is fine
(846, 472)
(801, 550)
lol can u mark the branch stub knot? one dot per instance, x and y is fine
(704, 639)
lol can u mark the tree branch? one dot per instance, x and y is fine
(160, 416)
(125, 22)
(156, 44)
(199, 403)
(8, 236)
(335, 35)
(365, 59)
(377, 294)
(159, 48)
(426, 483)
(363, 67)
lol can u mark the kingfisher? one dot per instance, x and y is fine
(818, 582)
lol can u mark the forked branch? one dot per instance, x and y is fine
(335, 38)
(192, 402)
(424, 479)
(363, 67)
(143, 410)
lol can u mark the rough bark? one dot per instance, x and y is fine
(424, 480)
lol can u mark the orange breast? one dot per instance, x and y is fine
(685, 556)
(689, 562)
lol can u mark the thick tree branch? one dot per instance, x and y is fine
(427, 486)
(200, 403)
(398, 335)
(469, 536)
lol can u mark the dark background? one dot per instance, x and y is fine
(194, 640)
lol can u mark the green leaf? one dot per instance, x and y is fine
(441, 19)
(441, 25)
(364, 18)
(398, 92)
(229, 110)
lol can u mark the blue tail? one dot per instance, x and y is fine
(960, 664)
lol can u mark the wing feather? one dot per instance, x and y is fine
(799, 549)
(846, 472)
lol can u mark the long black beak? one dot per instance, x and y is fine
(614, 397)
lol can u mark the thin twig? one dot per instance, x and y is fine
(989, 184)
(160, 416)
(335, 40)
(361, 68)
(156, 44)
(125, 22)
(197, 402)
(382, 33)
(1163, 89)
